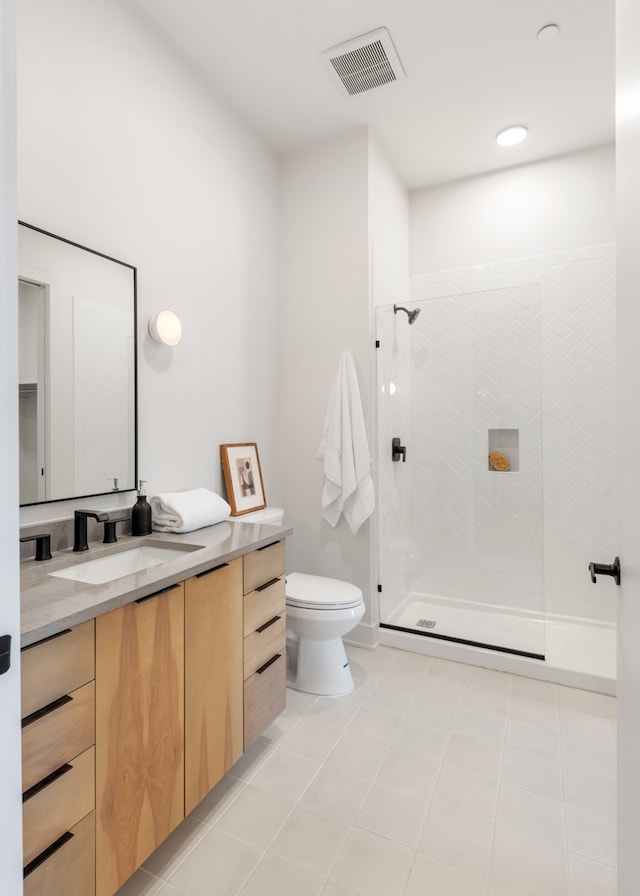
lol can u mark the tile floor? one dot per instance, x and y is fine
(432, 779)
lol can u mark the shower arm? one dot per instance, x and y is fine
(412, 315)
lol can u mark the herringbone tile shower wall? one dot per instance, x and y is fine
(526, 346)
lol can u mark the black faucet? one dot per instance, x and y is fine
(110, 528)
(80, 526)
(43, 545)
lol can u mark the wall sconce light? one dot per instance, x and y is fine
(165, 327)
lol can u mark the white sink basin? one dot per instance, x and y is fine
(114, 566)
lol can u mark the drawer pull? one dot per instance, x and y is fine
(59, 772)
(47, 853)
(265, 546)
(141, 600)
(267, 625)
(208, 572)
(65, 631)
(268, 584)
(50, 707)
(268, 663)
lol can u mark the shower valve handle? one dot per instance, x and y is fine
(398, 451)
(606, 569)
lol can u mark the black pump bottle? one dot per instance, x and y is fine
(141, 513)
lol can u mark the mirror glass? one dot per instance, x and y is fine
(77, 370)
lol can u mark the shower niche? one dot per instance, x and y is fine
(504, 450)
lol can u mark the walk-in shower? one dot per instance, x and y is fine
(462, 509)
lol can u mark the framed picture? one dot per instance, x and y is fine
(242, 477)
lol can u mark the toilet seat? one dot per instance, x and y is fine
(320, 592)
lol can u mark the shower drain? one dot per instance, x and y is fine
(426, 623)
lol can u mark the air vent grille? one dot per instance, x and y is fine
(365, 62)
(364, 68)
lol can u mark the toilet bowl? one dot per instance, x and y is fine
(320, 611)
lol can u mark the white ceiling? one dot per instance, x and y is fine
(472, 67)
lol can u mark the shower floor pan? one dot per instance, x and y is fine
(577, 652)
(481, 625)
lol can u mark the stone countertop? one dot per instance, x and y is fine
(50, 604)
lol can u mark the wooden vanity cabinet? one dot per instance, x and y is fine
(132, 718)
(213, 678)
(58, 734)
(264, 638)
(139, 732)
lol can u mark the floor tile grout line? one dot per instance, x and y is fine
(298, 802)
(192, 846)
(492, 849)
(417, 851)
(353, 824)
(374, 678)
(564, 796)
(212, 826)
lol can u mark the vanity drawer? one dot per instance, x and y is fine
(264, 603)
(68, 866)
(264, 697)
(56, 666)
(57, 733)
(58, 803)
(262, 644)
(262, 565)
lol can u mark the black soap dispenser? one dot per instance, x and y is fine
(141, 513)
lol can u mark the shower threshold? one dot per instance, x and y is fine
(467, 622)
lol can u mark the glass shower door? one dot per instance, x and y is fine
(460, 520)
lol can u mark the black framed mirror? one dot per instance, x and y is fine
(77, 370)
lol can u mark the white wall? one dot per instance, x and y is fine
(10, 779)
(628, 530)
(324, 285)
(344, 247)
(559, 204)
(389, 230)
(123, 150)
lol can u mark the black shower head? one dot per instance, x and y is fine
(410, 314)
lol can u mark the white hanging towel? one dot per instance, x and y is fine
(344, 451)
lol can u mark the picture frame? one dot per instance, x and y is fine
(242, 477)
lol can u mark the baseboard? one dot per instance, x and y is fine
(364, 635)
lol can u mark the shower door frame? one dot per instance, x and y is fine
(389, 389)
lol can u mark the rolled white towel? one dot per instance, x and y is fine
(186, 511)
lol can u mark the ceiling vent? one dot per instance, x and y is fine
(365, 62)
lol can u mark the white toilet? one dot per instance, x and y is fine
(320, 611)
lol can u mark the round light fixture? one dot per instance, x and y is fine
(165, 327)
(511, 135)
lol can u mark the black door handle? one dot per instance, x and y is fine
(606, 569)
(397, 450)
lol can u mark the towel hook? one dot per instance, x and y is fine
(398, 451)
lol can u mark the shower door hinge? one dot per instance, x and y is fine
(379, 589)
(377, 343)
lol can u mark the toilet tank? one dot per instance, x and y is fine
(269, 516)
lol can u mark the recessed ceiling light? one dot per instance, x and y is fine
(548, 32)
(511, 136)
